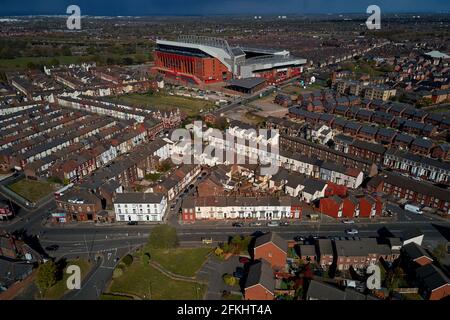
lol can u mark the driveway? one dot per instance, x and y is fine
(212, 271)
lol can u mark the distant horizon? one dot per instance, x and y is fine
(205, 8)
(229, 14)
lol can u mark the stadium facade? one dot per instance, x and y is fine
(202, 60)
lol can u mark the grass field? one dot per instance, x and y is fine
(148, 283)
(182, 261)
(164, 102)
(31, 190)
(60, 288)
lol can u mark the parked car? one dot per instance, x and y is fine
(239, 273)
(273, 224)
(347, 221)
(244, 260)
(351, 231)
(237, 224)
(53, 247)
(299, 238)
(414, 209)
(284, 223)
(132, 223)
(255, 224)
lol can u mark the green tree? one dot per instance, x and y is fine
(127, 260)
(440, 251)
(46, 275)
(163, 237)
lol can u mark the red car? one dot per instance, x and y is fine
(244, 260)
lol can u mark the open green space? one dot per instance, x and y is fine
(163, 102)
(58, 290)
(148, 283)
(181, 261)
(32, 190)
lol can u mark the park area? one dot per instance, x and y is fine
(59, 276)
(160, 270)
(32, 190)
(164, 102)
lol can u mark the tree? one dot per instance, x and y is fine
(163, 237)
(228, 279)
(128, 260)
(439, 251)
(46, 275)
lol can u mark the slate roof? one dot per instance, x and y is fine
(273, 238)
(261, 273)
(138, 197)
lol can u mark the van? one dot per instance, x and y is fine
(412, 208)
(207, 240)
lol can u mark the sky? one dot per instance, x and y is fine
(214, 7)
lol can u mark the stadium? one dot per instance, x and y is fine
(202, 60)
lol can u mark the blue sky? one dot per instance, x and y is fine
(212, 7)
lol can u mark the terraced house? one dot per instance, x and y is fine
(240, 207)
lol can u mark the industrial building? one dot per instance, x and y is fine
(202, 60)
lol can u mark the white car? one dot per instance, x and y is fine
(351, 232)
(273, 224)
(348, 221)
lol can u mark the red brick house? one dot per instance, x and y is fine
(370, 207)
(433, 283)
(260, 283)
(350, 206)
(416, 254)
(272, 248)
(332, 206)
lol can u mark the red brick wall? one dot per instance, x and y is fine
(349, 209)
(440, 293)
(423, 261)
(329, 207)
(270, 252)
(258, 292)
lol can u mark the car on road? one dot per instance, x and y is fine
(351, 231)
(132, 223)
(207, 240)
(273, 224)
(239, 273)
(299, 238)
(255, 224)
(413, 208)
(284, 223)
(53, 247)
(244, 260)
(347, 221)
(237, 224)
